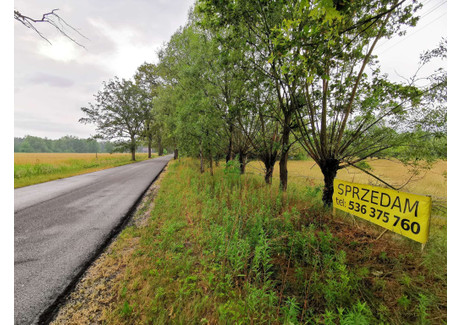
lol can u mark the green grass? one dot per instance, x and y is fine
(33, 173)
(229, 249)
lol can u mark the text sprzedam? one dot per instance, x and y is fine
(379, 198)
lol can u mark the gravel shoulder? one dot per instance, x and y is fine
(94, 293)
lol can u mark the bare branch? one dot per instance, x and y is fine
(51, 18)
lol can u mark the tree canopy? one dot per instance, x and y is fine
(118, 113)
(253, 79)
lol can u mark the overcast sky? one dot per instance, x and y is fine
(52, 82)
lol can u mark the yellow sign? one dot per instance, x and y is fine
(404, 213)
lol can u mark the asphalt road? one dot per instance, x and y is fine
(60, 225)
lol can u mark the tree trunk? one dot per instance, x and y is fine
(269, 167)
(201, 161)
(269, 176)
(329, 168)
(230, 146)
(133, 154)
(176, 153)
(210, 165)
(284, 154)
(150, 147)
(160, 147)
(242, 159)
(133, 149)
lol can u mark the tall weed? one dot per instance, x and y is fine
(229, 249)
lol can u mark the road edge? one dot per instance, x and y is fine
(49, 314)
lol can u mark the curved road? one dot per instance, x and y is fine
(60, 226)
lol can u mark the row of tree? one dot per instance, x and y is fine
(255, 79)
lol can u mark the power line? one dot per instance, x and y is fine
(426, 14)
(410, 35)
(426, 2)
(433, 9)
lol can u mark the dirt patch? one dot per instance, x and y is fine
(94, 294)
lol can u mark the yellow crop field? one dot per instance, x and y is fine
(21, 158)
(427, 182)
(33, 168)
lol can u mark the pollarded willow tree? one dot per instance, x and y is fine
(232, 84)
(248, 26)
(185, 65)
(319, 55)
(229, 88)
(258, 123)
(117, 113)
(221, 108)
(346, 115)
(165, 113)
(243, 98)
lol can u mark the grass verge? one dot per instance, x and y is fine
(227, 249)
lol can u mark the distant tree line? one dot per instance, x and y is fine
(65, 144)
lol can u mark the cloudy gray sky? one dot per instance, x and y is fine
(52, 82)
